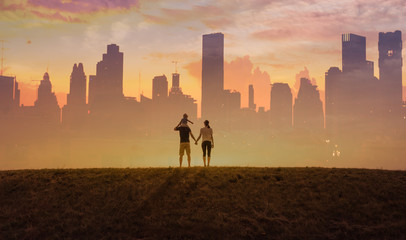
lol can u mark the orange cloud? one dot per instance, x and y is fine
(57, 16)
(238, 74)
(84, 6)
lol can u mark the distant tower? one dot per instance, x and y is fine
(17, 94)
(92, 89)
(308, 108)
(353, 52)
(46, 103)
(108, 84)
(281, 105)
(251, 104)
(390, 69)
(333, 94)
(75, 112)
(175, 89)
(212, 74)
(77, 93)
(159, 88)
(6, 94)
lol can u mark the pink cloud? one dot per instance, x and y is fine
(10, 7)
(84, 6)
(57, 16)
(213, 16)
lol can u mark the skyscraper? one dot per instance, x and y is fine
(77, 92)
(46, 103)
(108, 84)
(92, 89)
(212, 74)
(6, 94)
(333, 93)
(281, 106)
(17, 93)
(74, 113)
(251, 103)
(353, 52)
(358, 86)
(390, 70)
(179, 103)
(159, 88)
(308, 108)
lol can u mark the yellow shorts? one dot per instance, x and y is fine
(184, 146)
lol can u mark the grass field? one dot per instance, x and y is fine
(203, 203)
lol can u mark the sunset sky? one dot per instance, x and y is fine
(265, 41)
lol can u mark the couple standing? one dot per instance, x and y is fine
(206, 133)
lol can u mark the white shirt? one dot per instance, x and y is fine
(206, 133)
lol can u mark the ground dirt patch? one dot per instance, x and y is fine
(203, 203)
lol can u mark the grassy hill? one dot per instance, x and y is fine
(203, 203)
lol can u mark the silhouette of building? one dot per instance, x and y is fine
(333, 95)
(46, 105)
(75, 111)
(232, 101)
(353, 52)
(308, 108)
(107, 87)
(212, 74)
(351, 94)
(251, 103)
(179, 102)
(175, 82)
(92, 89)
(17, 94)
(8, 89)
(159, 88)
(390, 71)
(281, 106)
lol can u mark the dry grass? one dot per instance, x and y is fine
(200, 203)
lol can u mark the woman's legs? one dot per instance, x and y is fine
(204, 153)
(206, 145)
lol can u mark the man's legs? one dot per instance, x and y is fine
(188, 160)
(181, 152)
(187, 147)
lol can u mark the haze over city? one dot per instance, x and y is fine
(138, 66)
(280, 38)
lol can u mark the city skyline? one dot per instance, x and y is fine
(354, 58)
(361, 108)
(139, 28)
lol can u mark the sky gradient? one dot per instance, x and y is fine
(265, 41)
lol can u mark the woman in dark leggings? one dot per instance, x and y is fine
(206, 133)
